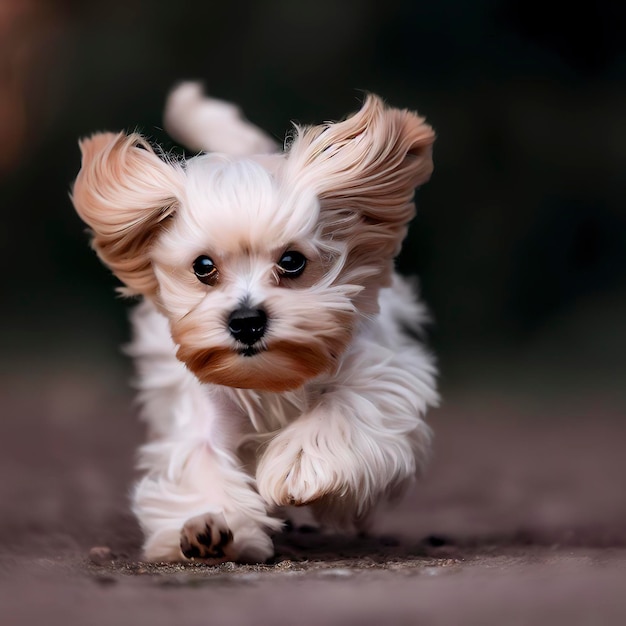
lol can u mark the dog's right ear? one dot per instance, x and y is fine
(123, 192)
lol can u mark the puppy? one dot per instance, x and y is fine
(276, 364)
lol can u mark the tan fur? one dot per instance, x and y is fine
(285, 365)
(277, 373)
(365, 171)
(124, 192)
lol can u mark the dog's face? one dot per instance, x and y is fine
(246, 280)
(262, 265)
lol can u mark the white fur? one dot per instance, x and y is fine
(189, 463)
(211, 125)
(329, 412)
(364, 441)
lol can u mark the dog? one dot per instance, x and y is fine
(275, 345)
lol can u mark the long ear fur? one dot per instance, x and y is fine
(123, 192)
(364, 171)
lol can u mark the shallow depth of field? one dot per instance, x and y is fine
(520, 247)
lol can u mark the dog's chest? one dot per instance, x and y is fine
(271, 411)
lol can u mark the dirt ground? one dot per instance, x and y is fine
(520, 520)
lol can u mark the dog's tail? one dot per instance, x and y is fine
(205, 124)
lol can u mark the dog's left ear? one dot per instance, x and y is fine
(368, 167)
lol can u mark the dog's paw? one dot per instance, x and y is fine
(289, 474)
(207, 538)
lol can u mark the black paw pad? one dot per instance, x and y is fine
(203, 538)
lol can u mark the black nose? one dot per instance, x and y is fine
(247, 325)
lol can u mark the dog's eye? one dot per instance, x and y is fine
(205, 270)
(292, 264)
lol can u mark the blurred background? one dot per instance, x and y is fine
(520, 241)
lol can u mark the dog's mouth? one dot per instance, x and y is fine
(250, 350)
(277, 366)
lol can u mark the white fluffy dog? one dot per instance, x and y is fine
(275, 367)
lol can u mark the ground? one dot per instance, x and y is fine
(520, 519)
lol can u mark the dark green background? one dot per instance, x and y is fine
(520, 241)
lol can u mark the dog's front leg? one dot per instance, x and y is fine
(363, 439)
(195, 502)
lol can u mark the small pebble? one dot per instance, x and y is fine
(100, 555)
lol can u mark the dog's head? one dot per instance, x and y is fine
(262, 265)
